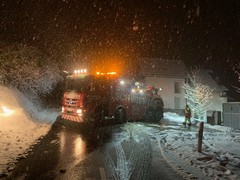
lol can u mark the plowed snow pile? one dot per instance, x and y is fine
(17, 130)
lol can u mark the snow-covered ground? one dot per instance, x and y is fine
(18, 131)
(220, 157)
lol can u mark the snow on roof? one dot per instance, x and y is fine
(162, 67)
(208, 80)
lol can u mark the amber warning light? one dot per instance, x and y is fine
(108, 73)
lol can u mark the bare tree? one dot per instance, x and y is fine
(198, 95)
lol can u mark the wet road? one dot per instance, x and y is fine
(73, 151)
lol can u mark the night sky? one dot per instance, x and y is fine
(205, 32)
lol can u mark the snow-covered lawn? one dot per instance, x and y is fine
(18, 132)
(220, 157)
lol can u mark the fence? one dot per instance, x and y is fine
(231, 114)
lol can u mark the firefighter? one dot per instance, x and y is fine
(187, 114)
(155, 94)
(149, 91)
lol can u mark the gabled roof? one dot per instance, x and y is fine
(207, 79)
(168, 68)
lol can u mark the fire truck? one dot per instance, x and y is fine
(105, 96)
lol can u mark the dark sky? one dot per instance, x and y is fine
(206, 31)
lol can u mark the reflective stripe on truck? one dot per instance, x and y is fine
(72, 118)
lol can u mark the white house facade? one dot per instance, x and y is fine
(219, 96)
(170, 90)
(219, 92)
(168, 76)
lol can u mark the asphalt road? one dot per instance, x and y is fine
(73, 151)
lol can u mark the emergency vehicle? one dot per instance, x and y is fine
(100, 96)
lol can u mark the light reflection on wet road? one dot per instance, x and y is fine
(73, 151)
(72, 146)
(61, 149)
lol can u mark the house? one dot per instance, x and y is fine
(219, 95)
(169, 75)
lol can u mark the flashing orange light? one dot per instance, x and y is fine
(111, 73)
(108, 73)
(100, 73)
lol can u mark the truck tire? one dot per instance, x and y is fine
(120, 115)
(149, 115)
(101, 111)
(99, 116)
(158, 116)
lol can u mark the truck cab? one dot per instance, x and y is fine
(84, 95)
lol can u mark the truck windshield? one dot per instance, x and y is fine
(78, 84)
(87, 84)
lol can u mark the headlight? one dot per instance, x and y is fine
(79, 111)
(122, 82)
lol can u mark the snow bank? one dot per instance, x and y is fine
(170, 116)
(35, 110)
(17, 130)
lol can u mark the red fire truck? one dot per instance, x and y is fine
(102, 96)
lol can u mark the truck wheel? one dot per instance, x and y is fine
(120, 115)
(149, 114)
(158, 116)
(99, 117)
(100, 113)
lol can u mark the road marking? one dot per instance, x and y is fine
(102, 173)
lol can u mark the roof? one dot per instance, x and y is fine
(207, 79)
(169, 68)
